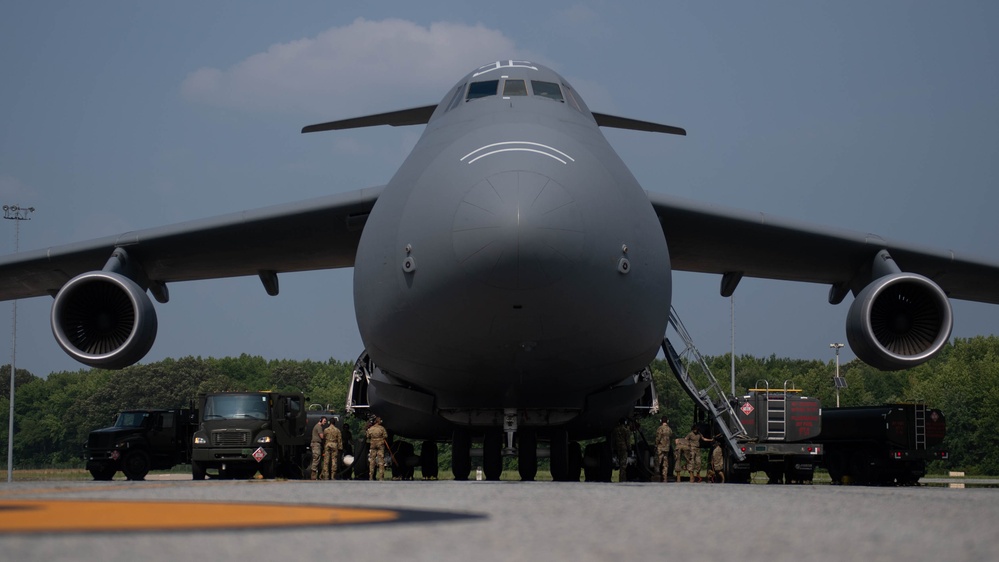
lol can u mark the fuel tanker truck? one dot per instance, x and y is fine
(781, 425)
(881, 445)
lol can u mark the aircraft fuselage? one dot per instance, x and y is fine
(513, 261)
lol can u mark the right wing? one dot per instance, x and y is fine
(319, 233)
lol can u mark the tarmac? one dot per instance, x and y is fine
(177, 520)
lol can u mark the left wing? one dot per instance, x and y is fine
(319, 233)
(900, 316)
(710, 239)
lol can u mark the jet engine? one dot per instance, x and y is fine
(104, 319)
(899, 321)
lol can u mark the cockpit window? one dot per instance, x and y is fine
(482, 89)
(455, 98)
(515, 88)
(571, 98)
(548, 90)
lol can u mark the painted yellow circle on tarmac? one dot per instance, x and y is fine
(60, 516)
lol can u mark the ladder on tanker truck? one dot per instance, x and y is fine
(919, 424)
(708, 394)
(777, 401)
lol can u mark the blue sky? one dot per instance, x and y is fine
(877, 117)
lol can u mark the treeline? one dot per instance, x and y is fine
(53, 415)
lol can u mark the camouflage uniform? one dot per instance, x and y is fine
(717, 466)
(377, 438)
(694, 454)
(663, 437)
(331, 451)
(621, 441)
(317, 448)
(679, 456)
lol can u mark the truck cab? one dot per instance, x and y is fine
(241, 433)
(140, 441)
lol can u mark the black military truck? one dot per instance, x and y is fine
(242, 433)
(882, 445)
(140, 441)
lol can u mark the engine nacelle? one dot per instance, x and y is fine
(104, 319)
(899, 321)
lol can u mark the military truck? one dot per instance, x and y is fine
(140, 441)
(885, 445)
(781, 429)
(242, 433)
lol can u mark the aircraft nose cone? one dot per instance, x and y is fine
(517, 230)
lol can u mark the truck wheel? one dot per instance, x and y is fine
(135, 465)
(268, 469)
(103, 472)
(197, 470)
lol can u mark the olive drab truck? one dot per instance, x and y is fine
(140, 441)
(242, 433)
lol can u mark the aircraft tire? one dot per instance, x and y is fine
(597, 464)
(402, 468)
(575, 462)
(429, 465)
(360, 465)
(527, 454)
(461, 454)
(559, 455)
(492, 454)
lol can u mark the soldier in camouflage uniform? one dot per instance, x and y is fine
(663, 437)
(332, 445)
(317, 446)
(679, 456)
(377, 441)
(716, 468)
(694, 453)
(622, 438)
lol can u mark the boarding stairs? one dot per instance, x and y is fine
(705, 390)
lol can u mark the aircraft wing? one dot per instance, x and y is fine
(319, 233)
(711, 239)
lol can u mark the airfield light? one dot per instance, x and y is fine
(837, 381)
(17, 214)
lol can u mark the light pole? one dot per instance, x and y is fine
(17, 214)
(840, 383)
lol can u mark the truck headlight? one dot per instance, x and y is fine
(264, 439)
(199, 440)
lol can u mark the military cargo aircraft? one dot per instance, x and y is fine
(511, 279)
